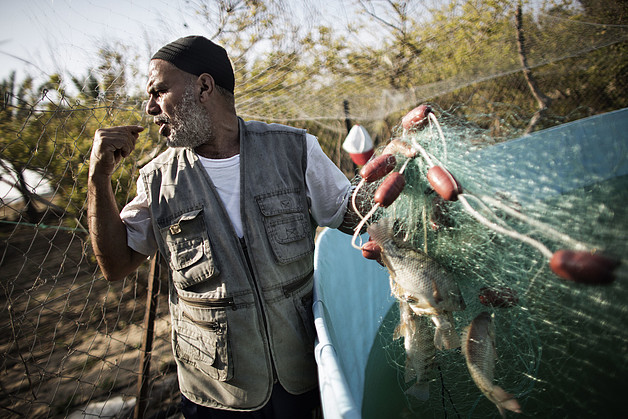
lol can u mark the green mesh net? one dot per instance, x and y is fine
(562, 346)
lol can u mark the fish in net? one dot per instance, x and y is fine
(533, 232)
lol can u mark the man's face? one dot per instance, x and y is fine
(172, 101)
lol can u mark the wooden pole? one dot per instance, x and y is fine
(150, 312)
(345, 104)
(348, 125)
(542, 101)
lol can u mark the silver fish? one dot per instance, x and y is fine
(420, 352)
(418, 279)
(478, 347)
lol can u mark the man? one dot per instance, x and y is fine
(231, 206)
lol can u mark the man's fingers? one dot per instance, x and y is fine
(125, 150)
(123, 133)
(134, 129)
(112, 145)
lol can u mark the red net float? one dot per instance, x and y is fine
(503, 297)
(372, 251)
(390, 189)
(378, 167)
(583, 267)
(416, 118)
(444, 183)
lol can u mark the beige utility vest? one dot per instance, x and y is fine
(240, 308)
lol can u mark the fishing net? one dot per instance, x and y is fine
(561, 344)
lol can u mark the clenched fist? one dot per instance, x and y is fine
(110, 146)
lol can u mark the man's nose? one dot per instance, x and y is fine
(152, 108)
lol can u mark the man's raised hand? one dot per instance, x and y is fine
(110, 146)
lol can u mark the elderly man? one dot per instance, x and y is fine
(232, 207)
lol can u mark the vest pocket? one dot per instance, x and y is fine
(302, 293)
(287, 227)
(188, 251)
(305, 309)
(204, 344)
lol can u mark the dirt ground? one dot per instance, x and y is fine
(68, 337)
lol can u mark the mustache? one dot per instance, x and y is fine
(161, 119)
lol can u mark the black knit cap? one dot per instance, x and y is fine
(198, 55)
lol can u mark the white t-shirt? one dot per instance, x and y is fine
(328, 191)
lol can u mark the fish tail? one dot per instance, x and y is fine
(419, 390)
(504, 401)
(381, 231)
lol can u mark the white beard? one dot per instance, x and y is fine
(190, 126)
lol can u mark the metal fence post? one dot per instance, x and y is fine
(147, 339)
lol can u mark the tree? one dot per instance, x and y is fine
(20, 135)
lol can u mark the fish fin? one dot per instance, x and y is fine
(461, 303)
(436, 292)
(465, 338)
(445, 335)
(446, 338)
(381, 231)
(400, 331)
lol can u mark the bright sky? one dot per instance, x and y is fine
(43, 37)
(49, 36)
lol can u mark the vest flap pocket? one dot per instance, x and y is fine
(288, 229)
(290, 237)
(188, 250)
(189, 215)
(203, 344)
(279, 202)
(287, 226)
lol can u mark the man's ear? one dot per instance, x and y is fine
(206, 84)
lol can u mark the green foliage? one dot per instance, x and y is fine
(459, 55)
(45, 131)
(468, 50)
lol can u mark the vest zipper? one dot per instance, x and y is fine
(210, 302)
(205, 324)
(261, 304)
(255, 286)
(290, 288)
